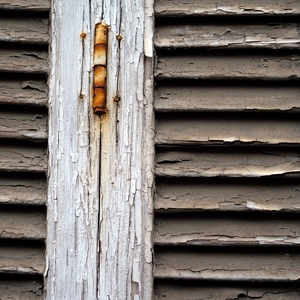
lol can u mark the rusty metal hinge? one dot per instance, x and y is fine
(100, 50)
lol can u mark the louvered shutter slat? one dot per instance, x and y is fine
(25, 5)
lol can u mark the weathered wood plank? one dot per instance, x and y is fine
(233, 195)
(226, 229)
(206, 291)
(273, 36)
(226, 7)
(205, 129)
(23, 61)
(25, 5)
(227, 264)
(18, 223)
(228, 162)
(222, 97)
(21, 258)
(24, 125)
(25, 191)
(23, 158)
(24, 30)
(20, 92)
(228, 66)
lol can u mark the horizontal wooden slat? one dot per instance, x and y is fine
(25, 5)
(23, 61)
(222, 97)
(227, 264)
(226, 7)
(176, 290)
(228, 66)
(21, 258)
(24, 30)
(214, 129)
(23, 158)
(17, 223)
(274, 36)
(230, 162)
(226, 229)
(23, 124)
(23, 92)
(24, 190)
(231, 195)
(21, 289)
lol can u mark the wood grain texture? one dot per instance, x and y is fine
(227, 163)
(228, 66)
(23, 158)
(24, 125)
(21, 289)
(227, 7)
(206, 291)
(23, 92)
(21, 258)
(25, 5)
(24, 30)
(231, 195)
(186, 35)
(18, 223)
(23, 61)
(226, 229)
(228, 264)
(23, 189)
(227, 97)
(218, 129)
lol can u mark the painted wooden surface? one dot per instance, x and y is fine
(25, 5)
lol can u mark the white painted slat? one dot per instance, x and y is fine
(25, 5)
(226, 230)
(187, 35)
(23, 61)
(228, 162)
(21, 258)
(228, 66)
(227, 264)
(23, 124)
(198, 195)
(24, 30)
(230, 97)
(217, 129)
(23, 92)
(226, 7)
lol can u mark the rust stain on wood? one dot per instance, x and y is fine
(100, 49)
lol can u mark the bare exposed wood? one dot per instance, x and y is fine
(226, 230)
(28, 92)
(179, 195)
(274, 36)
(219, 129)
(23, 158)
(226, 7)
(218, 97)
(227, 163)
(230, 264)
(229, 67)
(25, 5)
(24, 125)
(22, 224)
(25, 191)
(206, 291)
(21, 259)
(23, 61)
(21, 289)
(24, 30)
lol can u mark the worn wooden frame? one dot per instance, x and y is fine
(100, 246)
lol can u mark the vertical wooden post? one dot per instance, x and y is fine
(73, 205)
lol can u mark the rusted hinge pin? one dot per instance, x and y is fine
(100, 49)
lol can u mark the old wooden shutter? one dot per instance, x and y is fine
(24, 39)
(227, 101)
